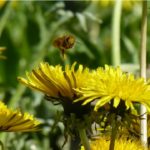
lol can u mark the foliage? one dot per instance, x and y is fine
(27, 30)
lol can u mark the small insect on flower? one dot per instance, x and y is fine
(64, 43)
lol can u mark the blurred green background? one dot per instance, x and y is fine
(27, 30)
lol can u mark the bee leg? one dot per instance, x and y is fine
(63, 54)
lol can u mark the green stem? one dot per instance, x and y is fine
(143, 70)
(113, 135)
(2, 145)
(143, 40)
(17, 95)
(84, 139)
(5, 17)
(116, 59)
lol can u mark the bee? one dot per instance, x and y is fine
(64, 43)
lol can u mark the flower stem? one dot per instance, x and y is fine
(2, 145)
(143, 70)
(116, 58)
(5, 17)
(84, 139)
(113, 135)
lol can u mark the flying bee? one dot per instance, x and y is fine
(64, 43)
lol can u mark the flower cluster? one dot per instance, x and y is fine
(106, 86)
(112, 95)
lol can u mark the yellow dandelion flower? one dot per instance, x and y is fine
(111, 84)
(2, 3)
(120, 144)
(58, 84)
(16, 121)
(55, 82)
(126, 4)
